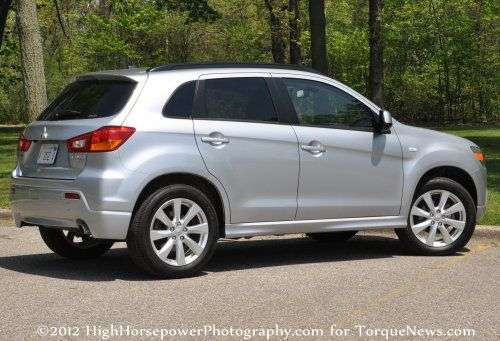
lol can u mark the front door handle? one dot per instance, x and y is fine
(314, 147)
(215, 139)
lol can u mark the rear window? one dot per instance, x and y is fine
(238, 99)
(89, 99)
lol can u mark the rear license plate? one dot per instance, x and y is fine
(47, 155)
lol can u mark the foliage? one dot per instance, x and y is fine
(442, 59)
(441, 56)
(489, 141)
(8, 145)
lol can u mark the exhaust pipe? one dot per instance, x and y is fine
(83, 227)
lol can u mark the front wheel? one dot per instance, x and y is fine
(441, 220)
(174, 232)
(70, 245)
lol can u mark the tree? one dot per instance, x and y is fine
(104, 8)
(59, 18)
(376, 68)
(278, 44)
(295, 55)
(4, 10)
(31, 58)
(318, 43)
(198, 10)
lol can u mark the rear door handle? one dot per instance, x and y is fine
(215, 139)
(314, 147)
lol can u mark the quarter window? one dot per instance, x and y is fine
(239, 99)
(180, 104)
(323, 105)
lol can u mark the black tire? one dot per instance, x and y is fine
(415, 245)
(62, 244)
(332, 237)
(138, 239)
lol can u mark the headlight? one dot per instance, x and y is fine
(478, 154)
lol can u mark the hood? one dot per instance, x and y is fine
(424, 136)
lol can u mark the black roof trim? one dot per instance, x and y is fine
(190, 66)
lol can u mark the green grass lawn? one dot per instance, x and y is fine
(487, 139)
(8, 145)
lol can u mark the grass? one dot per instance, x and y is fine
(8, 144)
(487, 138)
(489, 141)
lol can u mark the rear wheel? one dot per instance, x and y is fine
(340, 236)
(174, 232)
(68, 244)
(441, 220)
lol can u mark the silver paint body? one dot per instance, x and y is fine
(269, 180)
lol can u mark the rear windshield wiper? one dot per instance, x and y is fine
(68, 114)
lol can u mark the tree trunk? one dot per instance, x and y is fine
(59, 18)
(104, 8)
(278, 45)
(317, 24)
(295, 55)
(31, 58)
(4, 10)
(376, 73)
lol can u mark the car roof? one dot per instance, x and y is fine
(198, 69)
(253, 66)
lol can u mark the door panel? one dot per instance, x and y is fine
(358, 175)
(243, 145)
(346, 170)
(258, 166)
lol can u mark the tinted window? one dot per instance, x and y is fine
(241, 99)
(180, 104)
(319, 104)
(89, 99)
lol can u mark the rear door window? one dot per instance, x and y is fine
(238, 99)
(89, 99)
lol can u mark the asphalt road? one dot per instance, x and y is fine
(282, 282)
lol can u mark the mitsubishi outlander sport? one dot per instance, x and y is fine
(172, 158)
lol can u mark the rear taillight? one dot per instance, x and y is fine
(23, 143)
(105, 139)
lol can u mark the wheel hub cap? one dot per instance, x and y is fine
(179, 231)
(437, 218)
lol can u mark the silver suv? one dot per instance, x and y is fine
(175, 157)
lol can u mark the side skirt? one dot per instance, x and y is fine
(308, 226)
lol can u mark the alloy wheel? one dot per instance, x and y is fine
(437, 218)
(179, 231)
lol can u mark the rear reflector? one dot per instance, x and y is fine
(105, 139)
(74, 196)
(23, 143)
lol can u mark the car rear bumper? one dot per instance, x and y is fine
(47, 206)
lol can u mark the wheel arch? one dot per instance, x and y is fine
(197, 181)
(451, 172)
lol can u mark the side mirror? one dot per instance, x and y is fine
(383, 122)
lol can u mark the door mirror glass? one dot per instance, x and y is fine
(384, 122)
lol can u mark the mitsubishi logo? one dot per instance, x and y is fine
(45, 134)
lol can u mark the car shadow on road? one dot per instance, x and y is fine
(237, 255)
(229, 256)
